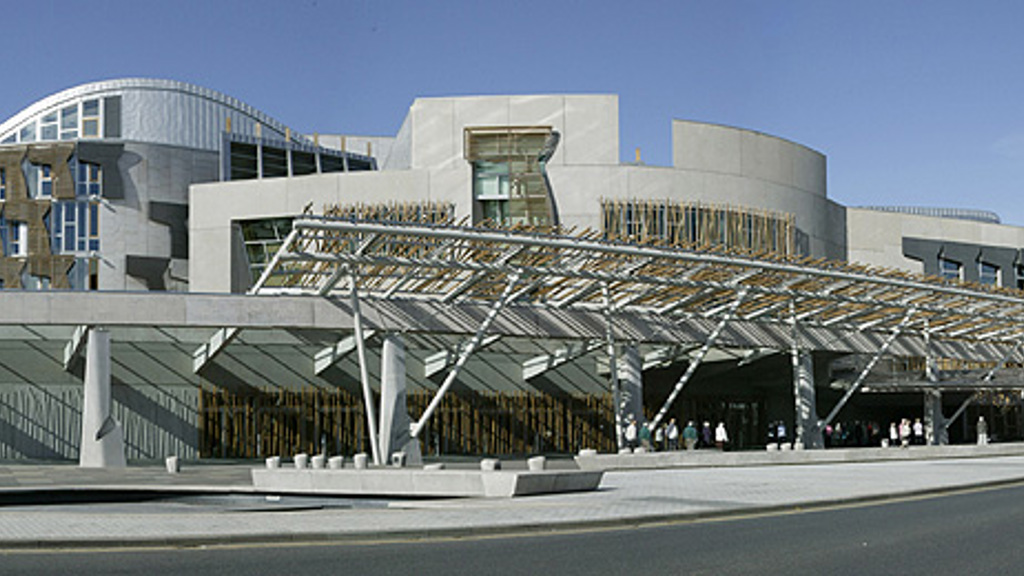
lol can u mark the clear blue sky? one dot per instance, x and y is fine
(918, 103)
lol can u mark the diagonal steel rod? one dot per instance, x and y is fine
(474, 342)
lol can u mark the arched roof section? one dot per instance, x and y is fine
(146, 110)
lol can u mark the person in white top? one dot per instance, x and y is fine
(631, 433)
(673, 435)
(721, 436)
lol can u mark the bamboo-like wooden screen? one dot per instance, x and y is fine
(314, 420)
(696, 225)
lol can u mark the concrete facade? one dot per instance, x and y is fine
(170, 221)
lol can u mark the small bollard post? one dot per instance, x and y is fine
(490, 464)
(301, 460)
(318, 461)
(274, 462)
(360, 461)
(335, 462)
(173, 465)
(537, 463)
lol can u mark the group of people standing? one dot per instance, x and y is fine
(668, 436)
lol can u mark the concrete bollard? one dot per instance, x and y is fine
(798, 445)
(360, 461)
(640, 450)
(318, 461)
(398, 459)
(434, 467)
(274, 462)
(173, 465)
(301, 460)
(588, 452)
(335, 462)
(785, 446)
(537, 463)
(490, 464)
(626, 450)
(772, 447)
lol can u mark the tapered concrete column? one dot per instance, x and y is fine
(807, 430)
(934, 422)
(394, 413)
(102, 438)
(631, 385)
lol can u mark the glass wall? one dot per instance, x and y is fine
(510, 185)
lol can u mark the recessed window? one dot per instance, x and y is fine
(949, 269)
(17, 239)
(45, 181)
(988, 273)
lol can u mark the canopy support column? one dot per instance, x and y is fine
(364, 376)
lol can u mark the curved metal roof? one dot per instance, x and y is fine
(127, 85)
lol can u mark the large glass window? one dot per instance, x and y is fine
(949, 269)
(988, 273)
(263, 238)
(509, 168)
(74, 226)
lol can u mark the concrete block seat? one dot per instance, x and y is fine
(423, 483)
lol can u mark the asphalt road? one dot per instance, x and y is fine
(976, 532)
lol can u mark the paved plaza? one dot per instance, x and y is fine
(215, 503)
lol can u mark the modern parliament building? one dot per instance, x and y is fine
(525, 289)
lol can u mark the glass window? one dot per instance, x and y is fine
(48, 127)
(17, 238)
(3, 184)
(988, 273)
(88, 179)
(949, 269)
(91, 119)
(75, 227)
(28, 133)
(69, 122)
(45, 181)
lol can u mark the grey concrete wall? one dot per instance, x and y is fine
(155, 178)
(876, 237)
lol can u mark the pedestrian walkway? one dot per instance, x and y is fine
(626, 497)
